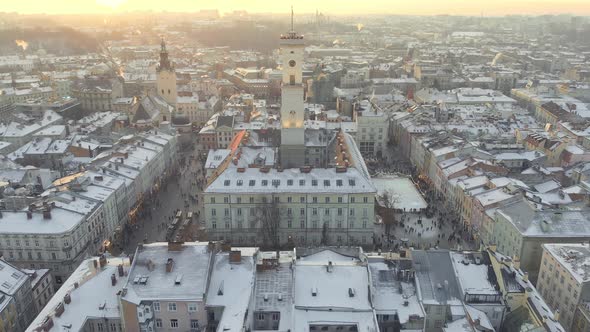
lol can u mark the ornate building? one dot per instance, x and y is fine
(166, 77)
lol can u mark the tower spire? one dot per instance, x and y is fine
(292, 26)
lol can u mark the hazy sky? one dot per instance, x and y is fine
(332, 7)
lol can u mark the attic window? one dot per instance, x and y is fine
(16, 275)
(326, 183)
(302, 183)
(314, 183)
(351, 182)
(264, 183)
(226, 183)
(252, 183)
(276, 183)
(289, 182)
(314, 291)
(239, 182)
(339, 183)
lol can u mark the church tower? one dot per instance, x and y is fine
(166, 77)
(292, 109)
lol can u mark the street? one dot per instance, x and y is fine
(180, 193)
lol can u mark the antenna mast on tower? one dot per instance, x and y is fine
(292, 26)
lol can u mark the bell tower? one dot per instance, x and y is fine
(292, 108)
(166, 77)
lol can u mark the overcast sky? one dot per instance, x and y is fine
(331, 7)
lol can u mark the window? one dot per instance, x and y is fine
(226, 183)
(352, 199)
(289, 223)
(239, 211)
(351, 212)
(339, 211)
(158, 323)
(327, 199)
(171, 306)
(302, 224)
(302, 183)
(213, 212)
(314, 199)
(302, 199)
(192, 307)
(365, 200)
(194, 324)
(339, 199)
(351, 182)
(302, 211)
(275, 316)
(260, 316)
(314, 211)
(264, 183)
(226, 200)
(251, 200)
(326, 212)
(289, 182)
(326, 183)
(314, 183)
(174, 323)
(365, 211)
(239, 200)
(99, 327)
(289, 211)
(36, 243)
(276, 183)
(339, 183)
(53, 256)
(240, 182)
(156, 306)
(252, 183)
(226, 212)
(212, 200)
(277, 199)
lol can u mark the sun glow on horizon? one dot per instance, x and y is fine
(113, 4)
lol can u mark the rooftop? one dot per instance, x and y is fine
(574, 257)
(148, 278)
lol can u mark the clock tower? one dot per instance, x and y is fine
(292, 109)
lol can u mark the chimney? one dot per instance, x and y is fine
(329, 267)
(113, 280)
(29, 215)
(525, 276)
(235, 257)
(120, 269)
(59, 309)
(102, 260)
(169, 265)
(46, 214)
(175, 245)
(67, 298)
(556, 315)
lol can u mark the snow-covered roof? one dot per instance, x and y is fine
(573, 257)
(472, 274)
(191, 263)
(387, 298)
(318, 180)
(236, 282)
(92, 295)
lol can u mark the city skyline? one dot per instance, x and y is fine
(418, 7)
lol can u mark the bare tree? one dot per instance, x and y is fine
(269, 219)
(387, 201)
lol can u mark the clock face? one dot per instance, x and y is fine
(292, 63)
